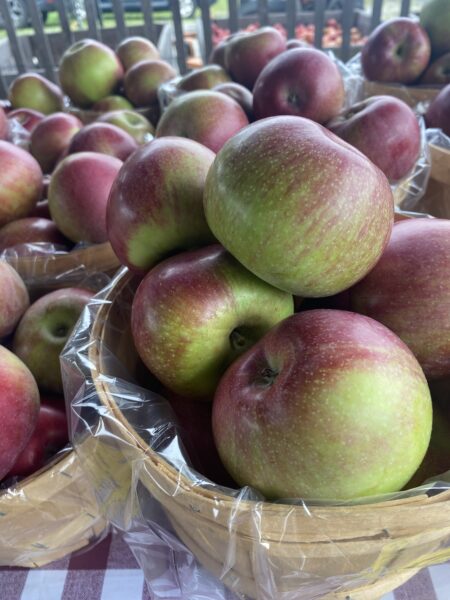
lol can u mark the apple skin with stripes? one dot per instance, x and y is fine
(328, 405)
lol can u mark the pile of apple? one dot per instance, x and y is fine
(403, 50)
(241, 232)
(332, 33)
(33, 424)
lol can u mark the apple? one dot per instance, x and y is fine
(20, 183)
(51, 137)
(14, 299)
(217, 56)
(239, 94)
(31, 90)
(303, 82)
(438, 113)
(104, 138)
(49, 436)
(4, 129)
(438, 72)
(208, 117)
(408, 290)
(135, 49)
(396, 51)
(112, 103)
(89, 71)
(31, 230)
(328, 405)
(19, 408)
(204, 78)
(193, 420)
(142, 81)
(156, 203)
(385, 129)
(279, 195)
(43, 332)
(78, 195)
(132, 122)
(26, 117)
(195, 312)
(247, 55)
(435, 18)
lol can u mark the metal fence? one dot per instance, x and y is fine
(41, 51)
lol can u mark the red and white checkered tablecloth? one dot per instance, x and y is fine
(109, 572)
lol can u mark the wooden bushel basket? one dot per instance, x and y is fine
(354, 552)
(48, 515)
(436, 200)
(411, 94)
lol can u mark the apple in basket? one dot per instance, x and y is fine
(247, 54)
(138, 126)
(279, 195)
(328, 405)
(105, 139)
(438, 72)
(49, 436)
(195, 312)
(203, 79)
(142, 81)
(438, 113)
(435, 18)
(112, 103)
(14, 299)
(19, 408)
(51, 137)
(383, 128)
(34, 91)
(31, 230)
(397, 51)
(240, 94)
(304, 82)
(20, 183)
(408, 290)
(78, 195)
(134, 49)
(89, 71)
(43, 332)
(155, 209)
(205, 116)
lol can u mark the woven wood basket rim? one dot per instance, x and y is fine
(181, 480)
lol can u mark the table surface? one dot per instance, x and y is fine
(109, 571)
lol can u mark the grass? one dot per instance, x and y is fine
(391, 8)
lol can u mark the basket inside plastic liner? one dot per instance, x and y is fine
(200, 536)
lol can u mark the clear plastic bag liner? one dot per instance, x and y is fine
(196, 538)
(17, 134)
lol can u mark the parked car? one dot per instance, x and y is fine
(250, 7)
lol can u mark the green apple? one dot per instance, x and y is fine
(194, 313)
(34, 91)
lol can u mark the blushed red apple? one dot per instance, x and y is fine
(396, 51)
(205, 116)
(51, 137)
(105, 139)
(20, 183)
(240, 94)
(112, 103)
(438, 72)
(31, 230)
(328, 405)
(438, 112)
(409, 291)
(19, 408)
(78, 195)
(143, 79)
(204, 78)
(14, 299)
(156, 203)
(303, 82)
(135, 49)
(385, 129)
